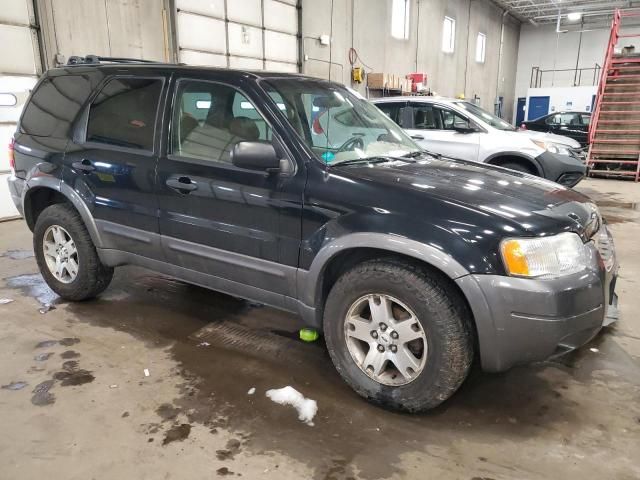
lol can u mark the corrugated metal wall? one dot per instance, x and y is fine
(19, 69)
(251, 34)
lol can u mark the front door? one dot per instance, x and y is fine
(538, 107)
(520, 108)
(441, 130)
(112, 162)
(216, 219)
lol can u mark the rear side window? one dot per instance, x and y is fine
(391, 110)
(54, 105)
(124, 113)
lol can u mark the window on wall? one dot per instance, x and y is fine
(448, 35)
(481, 43)
(400, 19)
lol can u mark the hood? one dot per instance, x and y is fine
(525, 204)
(550, 137)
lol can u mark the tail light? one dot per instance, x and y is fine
(523, 126)
(12, 157)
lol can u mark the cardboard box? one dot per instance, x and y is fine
(378, 80)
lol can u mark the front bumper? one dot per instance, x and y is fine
(16, 186)
(567, 170)
(527, 320)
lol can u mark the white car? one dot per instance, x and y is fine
(461, 129)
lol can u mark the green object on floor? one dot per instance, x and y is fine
(308, 335)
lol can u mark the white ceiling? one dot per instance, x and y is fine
(546, 11)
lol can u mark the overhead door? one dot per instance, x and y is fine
(248, 34)
(19, 69)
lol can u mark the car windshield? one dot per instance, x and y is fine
(337, 123)
(491, 119)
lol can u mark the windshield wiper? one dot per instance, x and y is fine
(371, 160)
(419, 153)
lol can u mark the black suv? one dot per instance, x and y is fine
(410, 263)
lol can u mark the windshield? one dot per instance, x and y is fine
(337, 123)
(491, 119)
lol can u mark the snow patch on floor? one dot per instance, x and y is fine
(306, 407)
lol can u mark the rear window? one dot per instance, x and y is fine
(124, 113)
(54, 105)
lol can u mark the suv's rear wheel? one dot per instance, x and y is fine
(66, 255)
(398, 335)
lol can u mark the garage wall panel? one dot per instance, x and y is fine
(243, 40)
(280, 17)
(201, 33)
(213, 8)
(14, 11)
(281, 67)
(245, 63)
(248, 12)
(280, 47)
(19, 57)
(201, 58)
(19, 67)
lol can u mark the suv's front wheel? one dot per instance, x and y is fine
(398, 335)
(66, 255)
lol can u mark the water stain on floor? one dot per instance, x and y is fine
(213, 383)
(68, 354)
(71, 375)
(17, 254)
(15, 385)
(41, 394)
(33, 285)
(177, 433)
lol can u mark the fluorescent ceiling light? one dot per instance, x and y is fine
(574, 16)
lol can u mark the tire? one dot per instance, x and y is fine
(441, 315)
(518, 167)
(92, 277)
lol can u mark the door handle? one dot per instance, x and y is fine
(182, 184)
(417, 137)
(84, 166)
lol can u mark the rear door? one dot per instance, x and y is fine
(112, 161)
(217, 219)
(438, 129)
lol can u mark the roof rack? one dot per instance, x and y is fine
(97, 60)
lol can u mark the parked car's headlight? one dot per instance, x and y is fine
(552, 147)
(544, 257)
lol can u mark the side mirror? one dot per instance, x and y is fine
(255, 156)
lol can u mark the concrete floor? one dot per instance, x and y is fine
(89, 411)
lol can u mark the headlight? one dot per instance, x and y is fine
(552, 147)
(549, 257)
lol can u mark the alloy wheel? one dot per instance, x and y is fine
(385, 339)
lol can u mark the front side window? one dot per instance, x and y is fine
(123, 114)
(425, 117)
(210, 118)
(337, 123)
(486, 117)
(448, 35)
(586, 118)
(453, 121)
